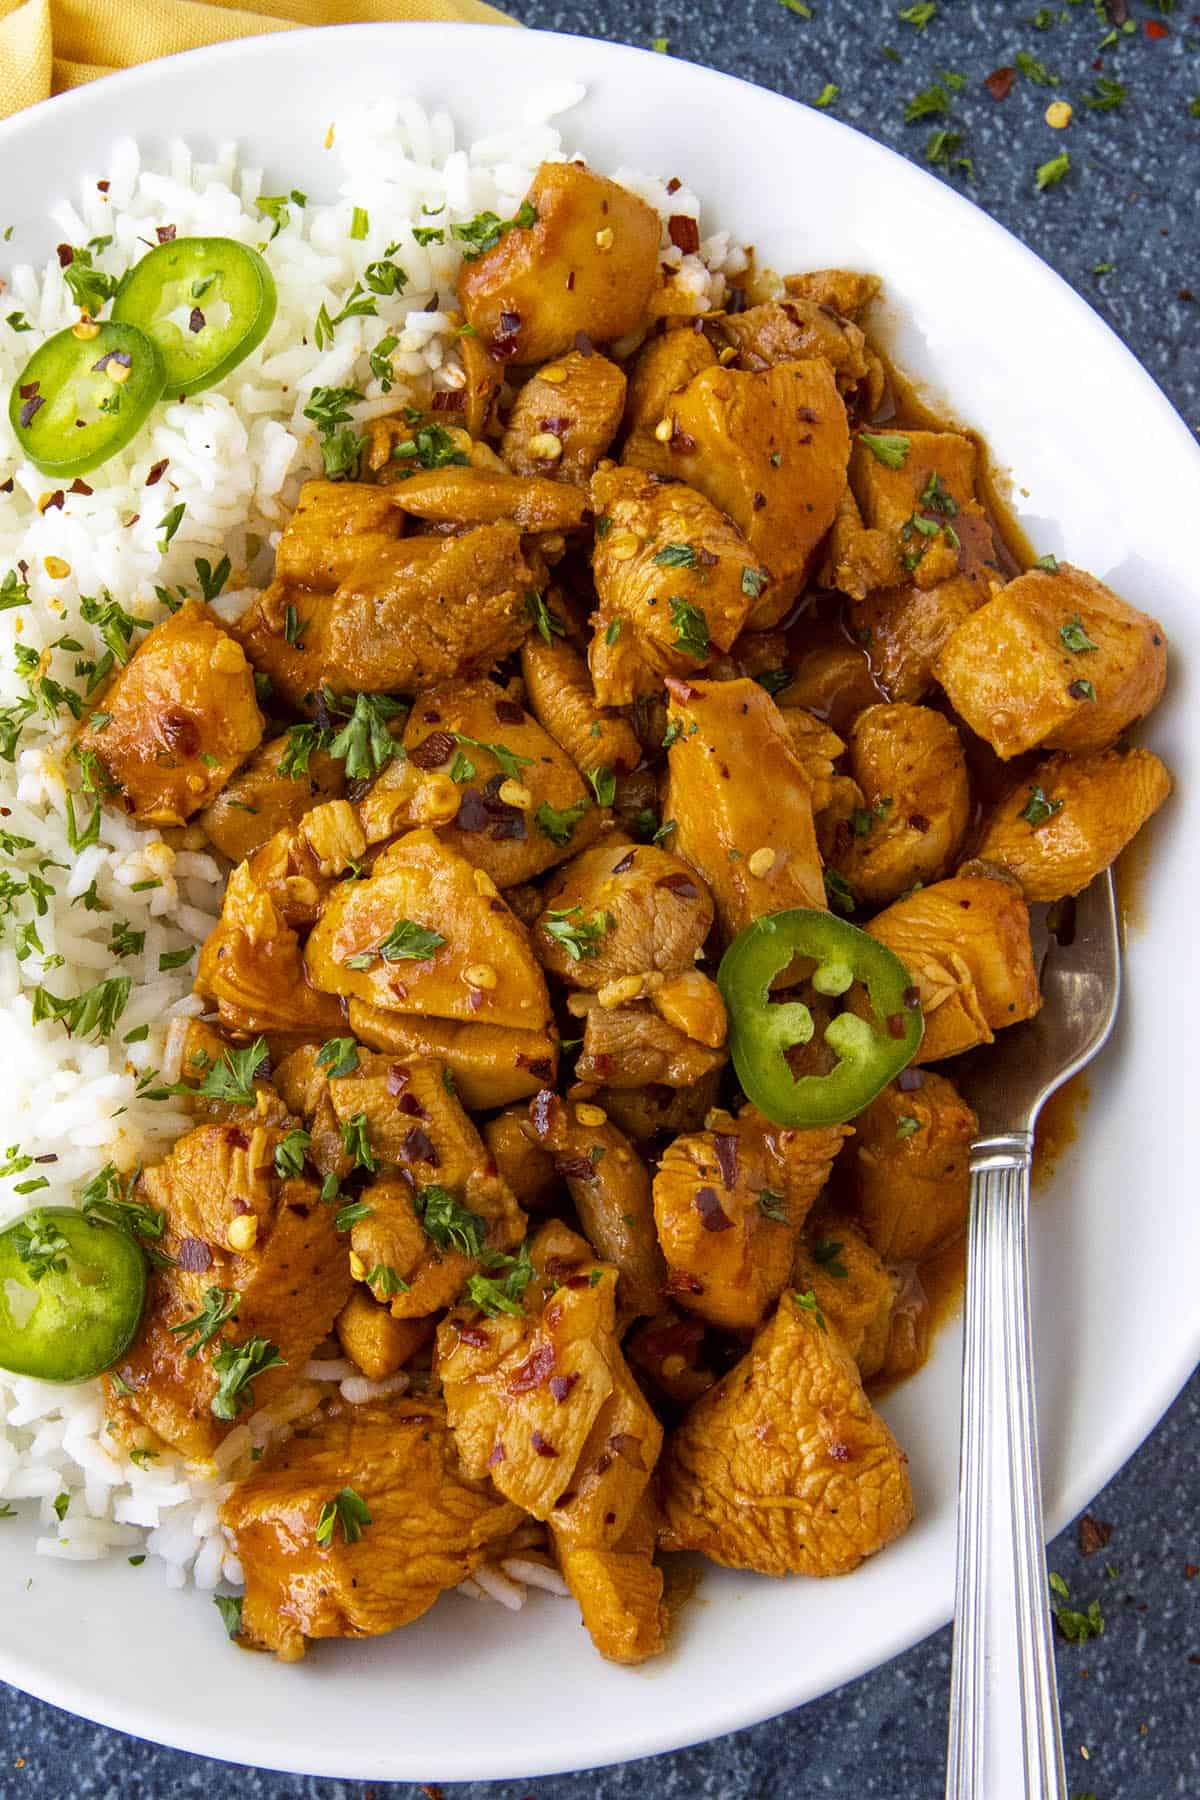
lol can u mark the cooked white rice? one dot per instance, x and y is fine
(234, 458)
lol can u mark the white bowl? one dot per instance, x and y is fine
(1104, 472)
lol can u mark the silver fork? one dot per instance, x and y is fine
(1005, 1736)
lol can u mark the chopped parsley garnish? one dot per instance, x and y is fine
(428, 234)
(364, 743)
(106, 1197)
(405, 942)
(827, 1254)
(495, 1292)
(232, 1079)
(888, 447)
(449, 1224)
(827, 95)
(360, 223)
(89, 286)
(907, 1126)
(582, 939)
(558, 824)
(379, 360)
(13, 591)
(547, 624)
(238, 1365)
(1033, 69)
(359, 305)
(1037, 809)
(175, 959)
(807, 1302)
(341, 446)
(613, 631)
(925, 104)
(1075, 638)
(603, 783)
(430, 447)
(385, 1279)
(293, 625)
(93, 1013)
(462, 768)
(918, 16)
(290, 1153)
(62, 1504)
(275, 206)
(230, 1605)
(17, 321)
(220, 1306)
(212, 580)
(510, 763)
(485, 230)
(302, 742)
(1106, 94)
(1052, 171)
(1076, 1627)
(771, 1206)
(1047, 564)
(385, 276)
(349, 1215)
(690, 625)
(676, 556)
(116, 628)
(338, 1056)
(839, 892)
(356, 1143)
(1081, 690)
(169, 524)
(347, 1509)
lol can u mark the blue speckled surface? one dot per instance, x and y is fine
(1129, 1698)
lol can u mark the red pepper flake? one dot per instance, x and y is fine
(164, 233)
(196, 320)
(157, 471)
(726, 1147)
(584, 344)
(497, 1455)
(411, 1106)
(628, 1447)
(1157, 28)
(52, 501)
(712, 1215)
(674, 185)
(6, 487)
(574, 1168)
(542, 1445)
(1190, 1571)
(79, 486)
(236, 1138)
(449, 400)
(418, 1147)
(1094, 1534)
(533, 1371)
(911, 998)
(397, 1079)
(999, 83)
(626, 863)
(684, 233)
(895, 1025)
(104, 186)
(561, 1385)
(474, 1335)
(679, 1281)
(118, 356)
(680, 884)
(432, 751)
(194, 1256)
(30, 406)
(66, 256)
(509, 713)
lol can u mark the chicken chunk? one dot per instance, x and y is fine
(375, 942)
(417, 1525)
(169, 731)
(793, 330)
(437, 1202)
(564, 418)
(729, 820)
(907, 1173)
(633, 1047)
(857, 561)
(610, 1190)
(336, 526)
(1054, 659)
(619, 1591)
(280, 1288)
(818, 749)
(908, 762)
(784, 1467)
(651, 1116)
(423, 610)
(831, 678)
(845, 290)
(850, 1287)
(729, 1204)
(563, 701)
(491, 1065)
(621, 911)
(281, 782)
(662, 366)
(925, 507)
(523, 804)
(905, 628)
(251, 966)
(586, 263)
(965, 943)
(674, 579)
(543, 1400)
(1090, 807)
(528, 1168)
(770, 451)
(376, 1343)
(457, 496)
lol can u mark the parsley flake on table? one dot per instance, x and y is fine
(827, 95)
(1049, 173)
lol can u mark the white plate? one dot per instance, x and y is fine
(1106, 473)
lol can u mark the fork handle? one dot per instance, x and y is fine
(1005, 1736)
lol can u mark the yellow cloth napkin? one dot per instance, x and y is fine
(49, 45)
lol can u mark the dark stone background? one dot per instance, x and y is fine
(1129, 200)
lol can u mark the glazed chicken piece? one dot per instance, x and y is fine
(846, 291)
(817, 748)
(670, 1353)
(831, 678)
(925, 507)
(850, 1287)
(619, 1590)
(905, 628)
(419, 611)
(252, 968)
(633, 1046)
(906, 1172)
(751, 838)
(523, 804)
(375, 942)
(281, 782)
(563, 701)
(378, 1344)
(436, 1204)
(965, 942)
(674, 580)
(418, 1525)
(543, 1399)
(654, 1114)
(586, 263)
(336, 526)
(528, 1169)
(729, 1204)
(1071, 816)
(458, 496)
(177, 720)
(564, 418)
(662, 366)
(793, 330)
(620, 911)
(610, 1190)
(491, 1065)
(770, 451)
(235, 1229)
(909, 765)
(1054, 659)
(784, 1467)
(857, 561)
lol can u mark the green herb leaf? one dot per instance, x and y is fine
(302, 742)
(547, 624)
(1034, 70)
(93, 1013)
(502, 1289)
(230, 1605)
(449, 1224)
(888, 447)
(338, 1056)
(1047, 564)
(827, 95)
(690, 625)
(40, 1245)
(384, 1279)
(771, 1206)
(1053, 171)
(510, 763)
(807, 1302)
(290, 1153)
(485, 230)
(349, 1216)
(603, 782)
(220, 1307)
(238, 1365)
(1075, 638)
(918, 16)
(405, 942)
(1106, 94)
(923, 105)
(754, 581)
(579, 940)
(558, 824)
(347, 1509)
(357, 1143)
(1037, 809)
(676, 556)
(826, 1253)
(907, 1126)
(839, 893)
(364, 743)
